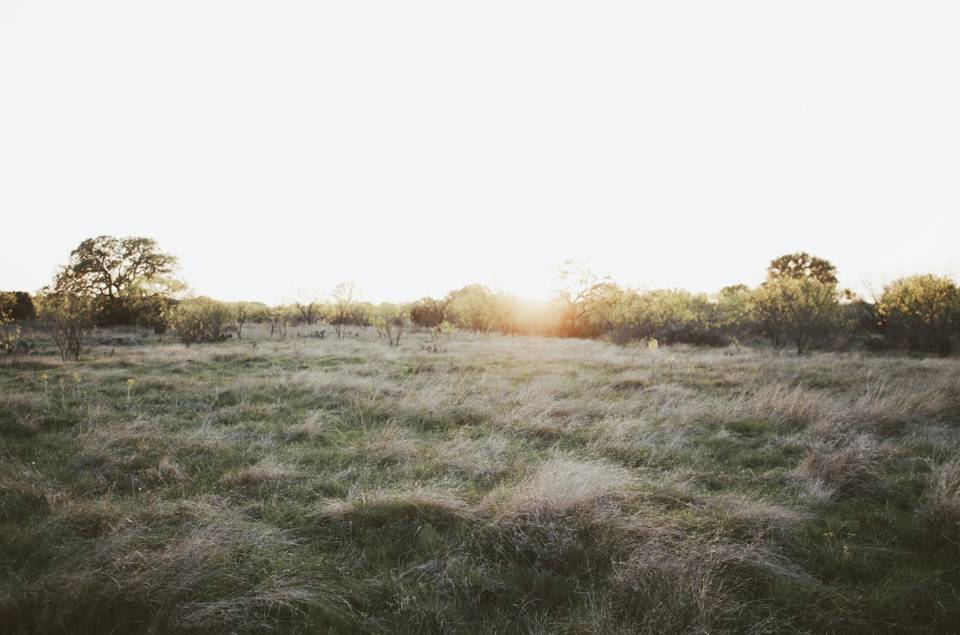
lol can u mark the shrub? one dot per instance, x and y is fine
(390, 321)
(795, 310)
(481, 310)
(17, 305)
(429, 313)
(855, 469)
(10, 342)
(280, 318)
(921, 313)
(70, 318)
(201, 320)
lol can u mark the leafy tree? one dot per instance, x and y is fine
(584, 299)
(429, 313)
(802, 265)
(921, 312)
(734, 310)
(10, 341)
(795, 309)
(154, 312)
(114, 272)
(17, 305)
(477, 308)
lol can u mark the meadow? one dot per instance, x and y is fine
(481, 484)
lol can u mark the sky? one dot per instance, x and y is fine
(278, 148)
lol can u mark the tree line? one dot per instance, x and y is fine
(110, 281)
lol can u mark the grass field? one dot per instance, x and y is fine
(499, 485)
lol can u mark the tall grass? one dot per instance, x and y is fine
(501, 484)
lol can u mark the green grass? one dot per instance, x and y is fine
(504, 485)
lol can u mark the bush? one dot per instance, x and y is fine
(921, 313)
(201, 320)
(17, 306)
(481, 310)
(429, 313)
(10, 342)
(70, 318)
(390, 321)
(796, 310)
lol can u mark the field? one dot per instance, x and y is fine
(496, 484)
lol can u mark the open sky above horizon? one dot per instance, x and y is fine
(415, 147)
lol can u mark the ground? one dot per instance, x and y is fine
(485, 484)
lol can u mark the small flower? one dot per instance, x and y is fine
(44, 377)
(76, 378)
(131, 381)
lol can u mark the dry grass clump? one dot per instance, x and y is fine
(854, 468)
(392, 443)
(755, 520)
(380, 509)
(562, 486)
(784, 405)
(313, 427)
(167, 471)
(700, 586)
(268, 470)
(484, 459)
(912, 399)
(90, 517)
(941, 505)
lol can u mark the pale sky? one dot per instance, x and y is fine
(415, 147)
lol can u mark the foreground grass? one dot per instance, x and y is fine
(503, 485)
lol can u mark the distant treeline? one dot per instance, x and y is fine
(115, 281)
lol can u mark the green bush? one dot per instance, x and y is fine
(201, 320)
(921, 313)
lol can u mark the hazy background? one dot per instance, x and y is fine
(415, 147)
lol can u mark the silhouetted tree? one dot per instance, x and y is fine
(803, 265)
(114, 273)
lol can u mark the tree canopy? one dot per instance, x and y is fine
(802, 265)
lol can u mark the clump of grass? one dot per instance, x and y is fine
(311, 428)
(484, 460)
(755, 520)
(941, 505)
(380, 509)
(266, 471)
(671, 585)
(847, 469)
(168, 471)
(392, 443)
(562, 486)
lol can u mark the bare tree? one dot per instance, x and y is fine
(279, 319)
(344, 300)
(308, 307)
